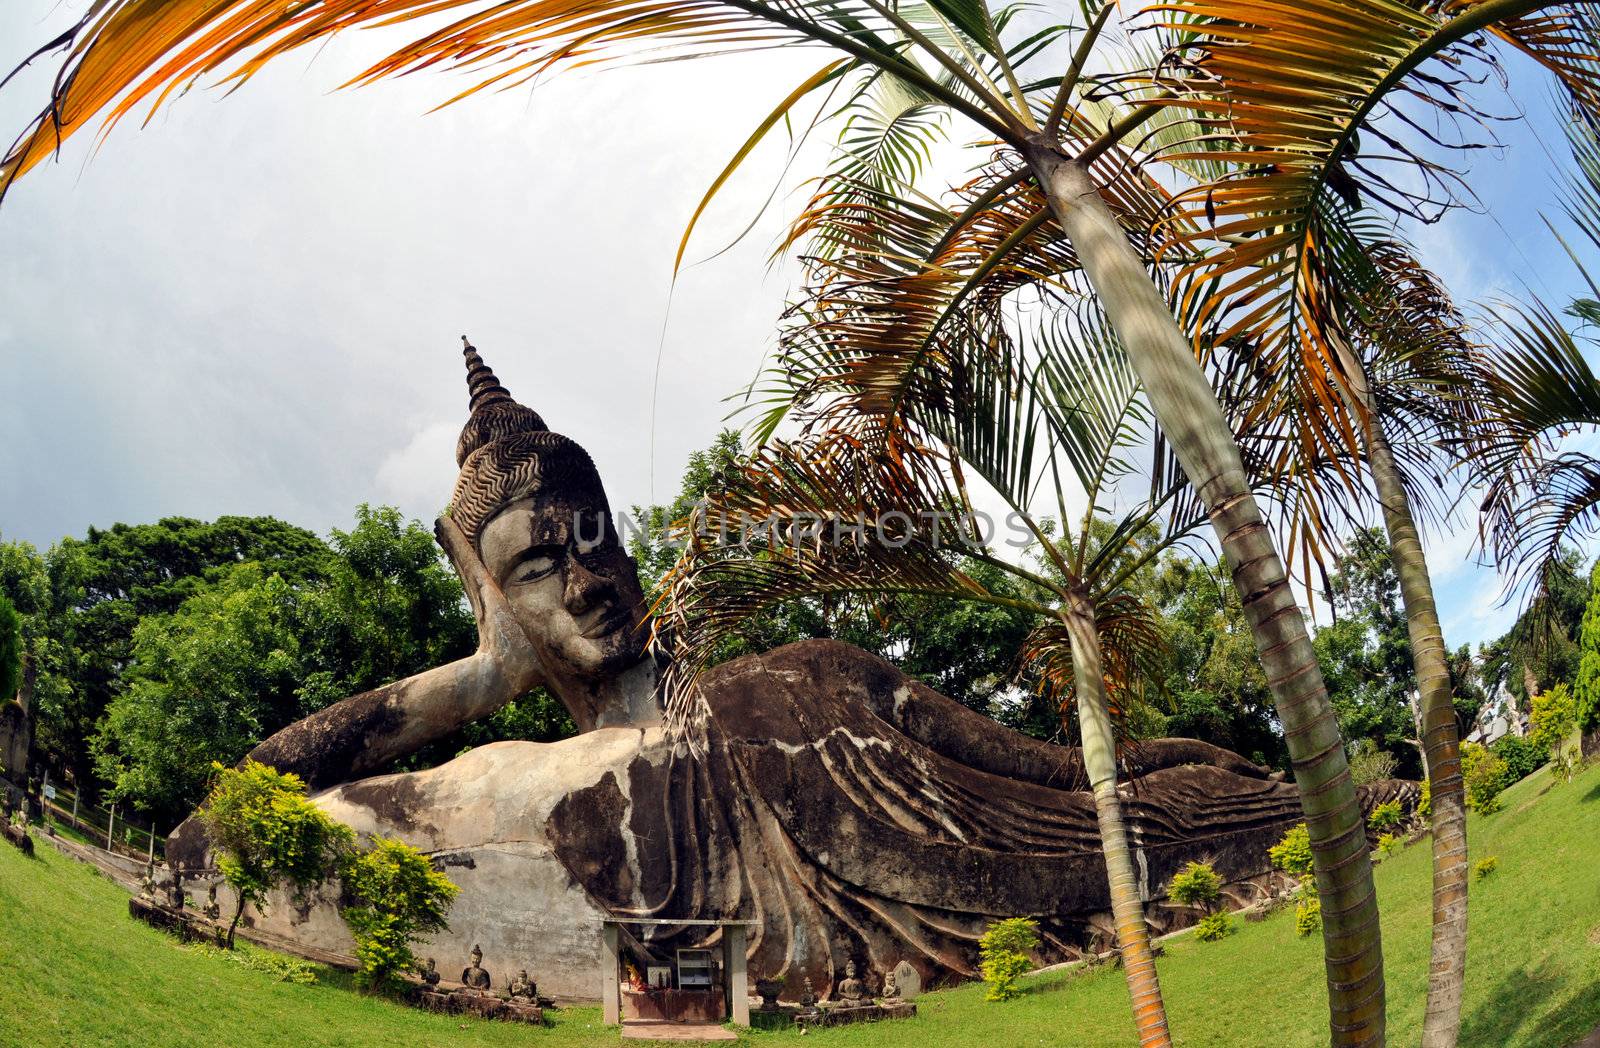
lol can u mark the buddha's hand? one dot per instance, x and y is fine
(501, 639)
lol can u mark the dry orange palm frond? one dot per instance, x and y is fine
(1311, 109)
(124, 53)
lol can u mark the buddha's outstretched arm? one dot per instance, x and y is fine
(366, 732)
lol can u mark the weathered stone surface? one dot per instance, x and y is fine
(864, 1013)
(853, 811)
(908, 979)
(481, 1006)
(18, 836)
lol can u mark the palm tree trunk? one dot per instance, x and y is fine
(1100, 761)
(1183, 401)
(1441, 743)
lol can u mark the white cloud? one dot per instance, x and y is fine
(414, 476)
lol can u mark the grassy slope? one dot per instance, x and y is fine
(74, 971)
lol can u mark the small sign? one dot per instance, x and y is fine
(49, 793)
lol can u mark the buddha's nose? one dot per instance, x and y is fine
(585, 589)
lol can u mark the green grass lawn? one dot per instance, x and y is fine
(76, 972)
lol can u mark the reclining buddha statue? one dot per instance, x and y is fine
(848, 810)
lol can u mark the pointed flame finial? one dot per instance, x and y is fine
(482, 385)
(492, 412)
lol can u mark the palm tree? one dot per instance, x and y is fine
(1281, 97)
(1015, 419)
(1406, 372)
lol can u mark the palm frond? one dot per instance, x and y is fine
(1133, 656)
(828, 516)
(1540, 388)
(1312, 112)
(126, 53)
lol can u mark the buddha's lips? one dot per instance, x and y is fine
(607, 623)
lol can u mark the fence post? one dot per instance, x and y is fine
(111, 826)
(44, 799)
(75, 824)
(152, 840)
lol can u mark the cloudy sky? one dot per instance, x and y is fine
(253, 305)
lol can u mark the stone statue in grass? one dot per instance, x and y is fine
(846, 807)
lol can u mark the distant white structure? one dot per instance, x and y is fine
(1498, 718)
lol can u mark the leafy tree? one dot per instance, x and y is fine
(1553, 718)
(1542, 647)
(1586, 685)
(268, 836)
(1215, 688)
(1466, 689)
(205, 685)
(253, 649)
(84, 599)
(1366, 653)
(10, 649)
(397, 896)
(385, 607)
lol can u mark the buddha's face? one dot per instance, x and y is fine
(569, 583)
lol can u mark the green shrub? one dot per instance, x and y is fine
(279, 966)
(268, 835)
(1292, 855)
(1388, 844)
(1554, 717)
(1003, 955)
(1425, 802)
(399, 896)
(1386, 816)
(1485, 777)
(1485, 866)
(1523, 756)
(1308, 912)
(1197, 884)
(1216, 926)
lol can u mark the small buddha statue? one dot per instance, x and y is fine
(522, 986)
(175, 897)
(475, 977)
(430, 975)
(891, 987)
(212, 911)
(808, 998)
(147, 887)
(852, 991)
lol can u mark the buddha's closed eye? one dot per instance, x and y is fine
(539, 562)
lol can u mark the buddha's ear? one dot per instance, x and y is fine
(468, 564)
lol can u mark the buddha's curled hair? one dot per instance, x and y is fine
(507, 453)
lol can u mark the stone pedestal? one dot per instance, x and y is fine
(844, 1015)
(19, 836)
(185, 924)
(481, 1005)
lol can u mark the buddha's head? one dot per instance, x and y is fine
(533, 506)
(477, 955)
